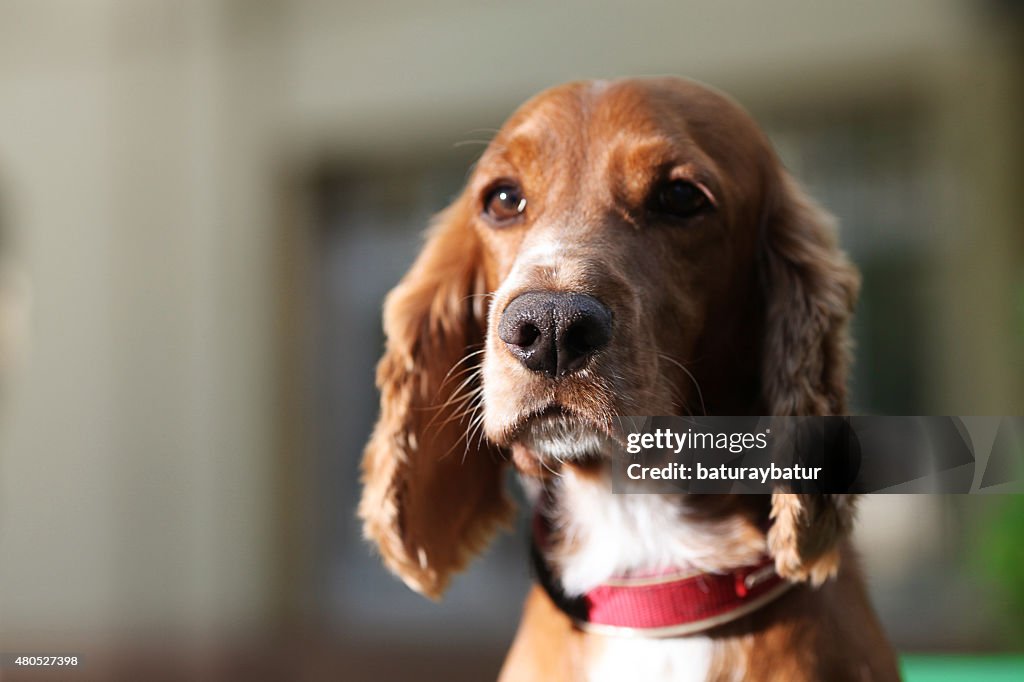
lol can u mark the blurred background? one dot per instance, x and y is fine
(203, 203)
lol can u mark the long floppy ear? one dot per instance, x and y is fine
(433, 494)
(811, 289)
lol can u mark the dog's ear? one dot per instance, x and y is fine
(810, 291)
(433, 491)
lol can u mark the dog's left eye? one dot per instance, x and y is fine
(680, 198)
(504, 204)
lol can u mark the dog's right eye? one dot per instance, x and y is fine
(504, 204)
(680, 199)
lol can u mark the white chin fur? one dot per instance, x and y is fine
(563, 439)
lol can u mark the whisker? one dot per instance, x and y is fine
(458, 406)
(457, 399)
(464, 436)
(696, 384)
(464, 409)
(463, 143)
(556, 474)
(476, 424)
(464, 358)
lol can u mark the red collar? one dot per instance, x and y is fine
(670, 604)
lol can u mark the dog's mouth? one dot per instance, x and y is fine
(556, 436)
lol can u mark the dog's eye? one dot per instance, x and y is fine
(504, 204)
(680, 198)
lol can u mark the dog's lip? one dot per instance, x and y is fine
(549, 411)
(552, 411)
(532, 461)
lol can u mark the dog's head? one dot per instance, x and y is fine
(621, 248)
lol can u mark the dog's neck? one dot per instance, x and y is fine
(599, 535)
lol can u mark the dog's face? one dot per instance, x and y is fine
(619, 225)
(622, 248)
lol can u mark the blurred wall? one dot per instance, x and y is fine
(135, 145)
(144, 149)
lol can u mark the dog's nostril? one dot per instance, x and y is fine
(525, 335)
(588, 331)
(585, 336)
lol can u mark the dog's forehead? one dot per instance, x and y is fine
(597, 111)
(655, 104)
(660, 103)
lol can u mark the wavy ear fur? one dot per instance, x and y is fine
(811, 290)
(433, 496)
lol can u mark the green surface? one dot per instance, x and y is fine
(963, 668)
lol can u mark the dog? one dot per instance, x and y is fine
(627, 247)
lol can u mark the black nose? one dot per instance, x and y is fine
(555, 333)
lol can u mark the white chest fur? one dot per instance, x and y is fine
(683, 659)
(607, 535)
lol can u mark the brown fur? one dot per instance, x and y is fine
(828, 633)
(432, 496)
(547, 646)
(742, 310)
(811, 289)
